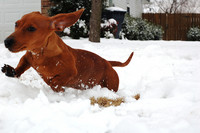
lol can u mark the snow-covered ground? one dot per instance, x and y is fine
(165, 73)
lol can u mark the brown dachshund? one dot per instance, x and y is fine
(58, 64)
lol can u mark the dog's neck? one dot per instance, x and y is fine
(50, 47)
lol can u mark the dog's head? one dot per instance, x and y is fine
(33, 30)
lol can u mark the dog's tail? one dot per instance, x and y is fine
(120, 64)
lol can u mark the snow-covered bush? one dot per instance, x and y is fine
(139, 29)
(193, 34)
(109, 28)
(79, 29)
(66, 6)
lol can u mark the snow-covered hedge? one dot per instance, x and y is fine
(139, 29)
(79, 29)
(194, 34)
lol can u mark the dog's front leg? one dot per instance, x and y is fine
(55, 84)
(59, 81)
(21, 68)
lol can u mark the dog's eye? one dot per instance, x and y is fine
(31, 29)
(16, 24)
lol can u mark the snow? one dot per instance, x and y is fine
(165, 73)
(115, 9)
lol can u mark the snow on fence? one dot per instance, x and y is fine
(175, 26)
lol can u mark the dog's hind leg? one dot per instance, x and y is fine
(111, 80)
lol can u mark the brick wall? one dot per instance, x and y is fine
(45, 5)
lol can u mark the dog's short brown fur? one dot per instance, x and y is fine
(58, 64)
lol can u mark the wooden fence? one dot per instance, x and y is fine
(175, 26)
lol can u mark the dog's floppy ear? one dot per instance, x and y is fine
(61, 21)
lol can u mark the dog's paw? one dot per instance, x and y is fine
(58, 89)
(8, 70)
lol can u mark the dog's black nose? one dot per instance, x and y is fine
(9, 42)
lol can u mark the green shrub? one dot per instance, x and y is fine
(193, 34)
(139, 29)
(67, 6)
(79, 29)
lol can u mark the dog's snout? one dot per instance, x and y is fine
(9, 42)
